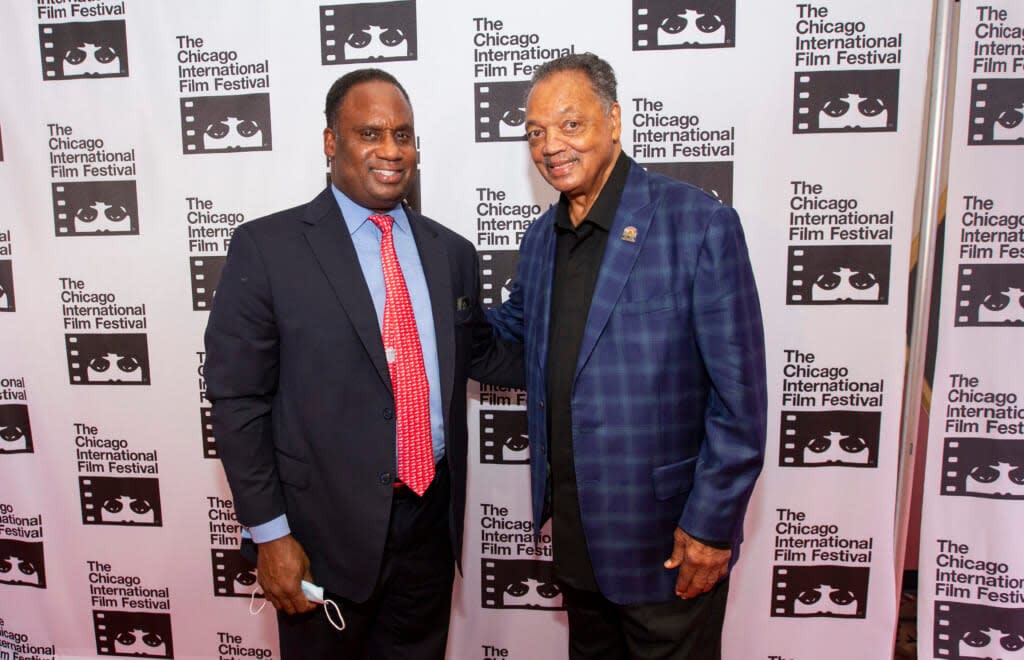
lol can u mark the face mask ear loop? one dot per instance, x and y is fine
(328, 604)
(252, 600)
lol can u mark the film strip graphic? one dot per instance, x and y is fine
(671, 24)
(969, 630)
(205, 277)
(146, 634)
(503, 437)
(7, 286)
(234, 576)
(225, 124)
(107, 359)
(838, 275)
(846, 101)
(95, 208)
(22, 563)
(501, 111)
(983, 467)
(206, 425)
(997, 112)
(990, 295)
(120, 501)
(713, 177)
(15, 430)
(497, 270)
(820, 591)
(519, 584)
(370, 31)
(830, 438)
(96, 49)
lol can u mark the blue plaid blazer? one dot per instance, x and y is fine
(668, 401)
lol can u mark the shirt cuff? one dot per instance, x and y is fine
(717, 545)
(268, 531)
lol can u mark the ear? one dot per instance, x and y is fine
(329, 143)
(615, 114)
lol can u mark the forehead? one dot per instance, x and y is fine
(561, 93)
(376, 102)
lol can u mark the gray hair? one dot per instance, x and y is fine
(599, 72)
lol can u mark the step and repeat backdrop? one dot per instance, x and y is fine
(971, 566)
(135, 137)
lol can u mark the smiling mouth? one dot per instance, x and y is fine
(559, 169)
(387, 176)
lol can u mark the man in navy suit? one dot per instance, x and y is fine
(304, 410)
(645, 372)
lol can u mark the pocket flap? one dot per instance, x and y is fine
(673, 479)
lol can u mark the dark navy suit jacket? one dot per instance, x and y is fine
(303, 411)
(668, 399)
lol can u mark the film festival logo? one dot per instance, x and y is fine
(990, 295)
(519, 584)
(15, 431)
(234, 576)
(827, 438)
(84, 50)
(838, 275)
(205, 276)
(497, 270)
(713, 177)
(131, 501)
(368, 32)
(225, 124)
(108, 359)
(671, 24)
(968, 630)
(206, 424)
(501, 110)
(6, 285)
(95, 208)
(983, 467)
(21, 563)
(503, 438)
(146, 634)
(997, 112)
(846, 101)
(820, 591)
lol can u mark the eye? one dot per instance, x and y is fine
(116, 213)
(514, 117)
(75, 55)
(359, 39)
(534, 134)
(99, 364)
(1010, 118)
(11, 433)
(517, 589)
(673, 24)
(809, 596)
(5, 566)
(985, 474)
(140, 506)
(572, 125)
(996, 301)
(842, 596)
(126, 638)
(128, 364)
(247, 128)
(403, 137)
(548, 590)
(246, 578)
(218, 130)
(1017, 475)
(113, 505)
(152, 639)
(828, 281)
(1012, 642)
(819, 445)
(709, 23)
(853, 445)
(836, 107)
(862, 280)
(27, 567)
(86, 214)
(369, 134)
(105, 54)
(975, 638)
(871, 107)
(516, 442)
(392, 37)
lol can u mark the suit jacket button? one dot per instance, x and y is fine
(385, 478)
(388, 413)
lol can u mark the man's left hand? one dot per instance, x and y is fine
(700, 566)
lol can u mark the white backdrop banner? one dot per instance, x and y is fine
(136, 136)
(971, 585)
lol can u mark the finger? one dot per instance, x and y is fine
(678, 551)
(685, 580)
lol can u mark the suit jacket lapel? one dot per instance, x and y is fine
(332, 246)
(437, 271)
(545, 277)
(635, 211)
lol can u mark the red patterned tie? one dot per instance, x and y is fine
(408, 375)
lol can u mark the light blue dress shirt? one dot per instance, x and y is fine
(366, 238)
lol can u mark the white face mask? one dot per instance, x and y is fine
(314, 594)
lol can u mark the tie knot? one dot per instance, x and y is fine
(383, 222)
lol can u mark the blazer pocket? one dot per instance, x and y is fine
(673, 479)
(648, 305)
(292, 471)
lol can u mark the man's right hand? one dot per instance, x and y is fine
(281, 566)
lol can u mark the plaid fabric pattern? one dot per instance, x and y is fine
(668, 403)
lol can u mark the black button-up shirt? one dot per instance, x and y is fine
(578, 254)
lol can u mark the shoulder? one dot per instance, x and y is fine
(280, 223)
(685, 202)
(457, 243)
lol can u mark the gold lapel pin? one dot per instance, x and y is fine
(629, 234)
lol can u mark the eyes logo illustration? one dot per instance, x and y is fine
(503, 437)
(83, 50)
(838, 275)
(845, 101)
(368, 32)
(501, 110)
(997, 112)
(95, 208)
(990, 295)
(671, 24)
(6, 285)
(225, 124)
(846, 438)
(519, 584)
(978, 632)
(15, 432)
(497, 270)
(713, 177)
(21, 563)
(108, 359)
(146, 634)
(234, 575)
(983, 467)
(820, 591)
(120, 501)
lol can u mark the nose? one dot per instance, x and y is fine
(552, 144)
(389, 149)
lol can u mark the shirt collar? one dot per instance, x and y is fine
(602, 213)
(356, 216)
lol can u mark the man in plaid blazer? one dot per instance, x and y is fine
(645, 364)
